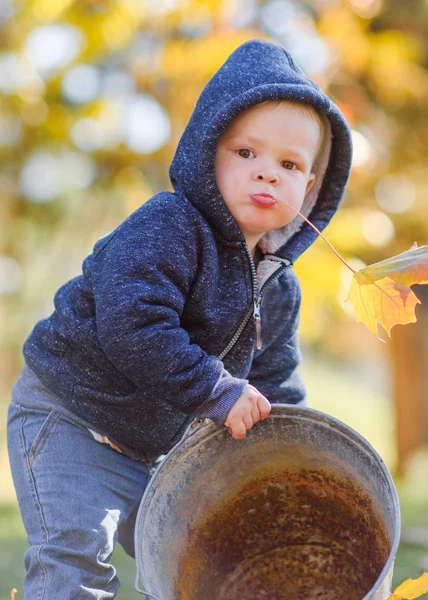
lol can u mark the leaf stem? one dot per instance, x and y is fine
(319, 233)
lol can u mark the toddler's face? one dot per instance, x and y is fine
(265, 155)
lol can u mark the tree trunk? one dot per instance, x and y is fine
(409, 351)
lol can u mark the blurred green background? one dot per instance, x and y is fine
(94, 96)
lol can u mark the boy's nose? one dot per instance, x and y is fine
(268, 175)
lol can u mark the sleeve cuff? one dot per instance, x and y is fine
(223, 396)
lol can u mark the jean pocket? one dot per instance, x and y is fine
(36, 427)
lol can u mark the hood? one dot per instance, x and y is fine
(257, 71)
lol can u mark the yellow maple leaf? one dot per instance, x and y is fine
(411, 588)
(380, 293)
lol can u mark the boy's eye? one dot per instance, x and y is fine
(244, 152)
(287, 164)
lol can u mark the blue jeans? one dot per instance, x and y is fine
(76, 497)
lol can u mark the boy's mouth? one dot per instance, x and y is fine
(265, 200)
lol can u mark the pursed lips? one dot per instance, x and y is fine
(263, 199)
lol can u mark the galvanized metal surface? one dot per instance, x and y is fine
(302, 508)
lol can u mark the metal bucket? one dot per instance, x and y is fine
(302, 508)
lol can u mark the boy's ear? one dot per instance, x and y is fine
(310, 183)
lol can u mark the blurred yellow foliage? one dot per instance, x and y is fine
(207, 55)
(49, 10)
(319, 271)
(345, 230)
(393, 66)
(168, 50)
(348, 37)
(119, 27)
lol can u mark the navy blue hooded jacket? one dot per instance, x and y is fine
(159, 327)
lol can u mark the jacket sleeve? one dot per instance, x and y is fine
(141, 279)
(274, 371)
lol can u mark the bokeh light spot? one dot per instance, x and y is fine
(278, 17)
(239, 13)
(53, 46)
(10, 129)
(362, 150)
(147, 126)
(378, 228)
(367, 9)
(10, 275)
(64, 172)
(7, 10)
(81, 84)
(163, 7)
(78, 171)
(395, 193)
(36, 188)
(9, 68)
(118, 83)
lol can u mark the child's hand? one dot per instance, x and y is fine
(250, 408)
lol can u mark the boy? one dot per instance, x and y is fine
(164, 324)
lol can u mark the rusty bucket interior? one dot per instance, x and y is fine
(303, 508)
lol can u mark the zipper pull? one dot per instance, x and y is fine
(258, 321)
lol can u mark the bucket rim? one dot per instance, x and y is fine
(201, 430)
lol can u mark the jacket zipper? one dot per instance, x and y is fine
(258, 320)
(257, 315)
(254, 309)
(256, 299)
